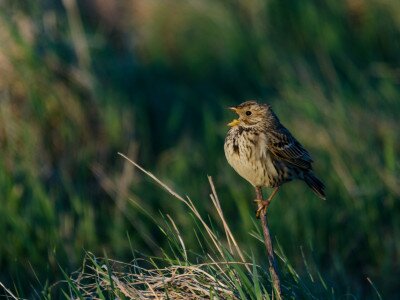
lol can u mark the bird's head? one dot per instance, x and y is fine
(250, 114)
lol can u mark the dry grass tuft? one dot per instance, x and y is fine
(174, 282)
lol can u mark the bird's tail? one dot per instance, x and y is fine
(315, 184)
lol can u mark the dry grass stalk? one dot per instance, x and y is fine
(8, 294)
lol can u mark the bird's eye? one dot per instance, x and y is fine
(248, 113)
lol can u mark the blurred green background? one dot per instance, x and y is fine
(82, 80)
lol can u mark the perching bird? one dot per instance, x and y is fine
(265, 153)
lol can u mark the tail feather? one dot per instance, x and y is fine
(315, 184)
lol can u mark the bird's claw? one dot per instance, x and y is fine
(262, 208)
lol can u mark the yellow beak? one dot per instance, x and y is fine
(234, 123)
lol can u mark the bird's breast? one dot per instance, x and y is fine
(246, 152)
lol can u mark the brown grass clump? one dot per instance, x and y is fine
(173, 282)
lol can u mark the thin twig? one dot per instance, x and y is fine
(273, 269)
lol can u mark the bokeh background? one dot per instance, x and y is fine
(82, 80)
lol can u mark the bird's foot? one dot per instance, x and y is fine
(262, 207)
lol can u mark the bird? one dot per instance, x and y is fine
(264, 152)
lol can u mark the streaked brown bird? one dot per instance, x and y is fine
(265, 153)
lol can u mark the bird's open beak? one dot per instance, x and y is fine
(234, 109)
(234, 123)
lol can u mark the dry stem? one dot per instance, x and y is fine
(273, 269)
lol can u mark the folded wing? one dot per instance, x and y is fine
(284, 146)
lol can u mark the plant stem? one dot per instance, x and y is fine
(273, 270)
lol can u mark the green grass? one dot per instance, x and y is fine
(221, 270)
(152, 80)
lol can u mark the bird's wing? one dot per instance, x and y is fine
(283, 145)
